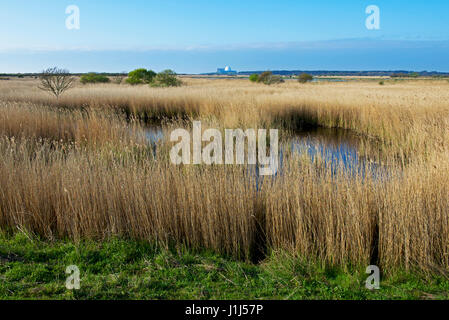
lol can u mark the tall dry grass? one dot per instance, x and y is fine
(407, 118)
(94, 176)
(399, 220)
(74, 192)
(87, 126)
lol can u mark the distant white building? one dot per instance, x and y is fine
(227, 70)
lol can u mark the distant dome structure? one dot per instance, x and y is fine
(226, 71)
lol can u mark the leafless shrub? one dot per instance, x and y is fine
(118, 79)
(56, 81)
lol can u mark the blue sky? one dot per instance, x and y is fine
(198, 36)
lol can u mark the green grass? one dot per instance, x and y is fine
(126, 269)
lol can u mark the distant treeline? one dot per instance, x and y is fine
(396, 73)
(354, 73)
(21, 75)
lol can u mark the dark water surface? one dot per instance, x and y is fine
(336, 148)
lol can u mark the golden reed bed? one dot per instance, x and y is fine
(80, 167)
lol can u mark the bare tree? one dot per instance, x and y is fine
(56, 81)
(118, 79)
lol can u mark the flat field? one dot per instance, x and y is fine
(82, 169)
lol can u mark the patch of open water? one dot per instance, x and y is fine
(336, 148)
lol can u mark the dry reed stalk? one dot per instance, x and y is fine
(78, 168)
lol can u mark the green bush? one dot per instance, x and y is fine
(268, 78)
(93, 78)
(254, 77)
(381, 83)
(275, 79)
(140, 76)
(166, 78)
(305, 77)
(265, 77)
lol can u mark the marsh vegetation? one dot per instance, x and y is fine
(82, 167)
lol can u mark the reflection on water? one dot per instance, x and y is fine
(154, 134)
(335, 148)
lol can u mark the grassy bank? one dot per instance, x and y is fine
(126, 269)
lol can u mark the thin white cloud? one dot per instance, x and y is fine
(359, 43)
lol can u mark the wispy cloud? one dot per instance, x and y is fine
(354, 43)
